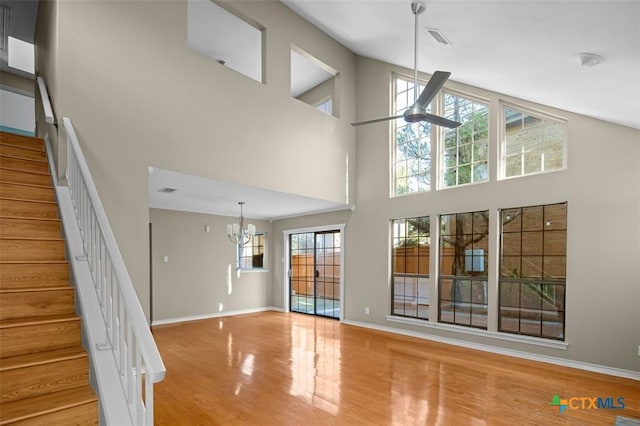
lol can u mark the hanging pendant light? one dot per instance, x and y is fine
(237, 233)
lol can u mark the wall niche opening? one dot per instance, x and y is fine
(313, 82)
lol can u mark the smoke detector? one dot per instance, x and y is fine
(589, 60)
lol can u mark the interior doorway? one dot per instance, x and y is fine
(315, 271)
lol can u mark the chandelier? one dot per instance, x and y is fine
(237, 233)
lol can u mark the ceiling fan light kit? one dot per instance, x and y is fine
(418, 111)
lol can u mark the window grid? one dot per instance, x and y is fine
(251, 254)
(410, 289)
(462, 284)
(464, 150)
(531, 143)
(412, 144)
(532, 271)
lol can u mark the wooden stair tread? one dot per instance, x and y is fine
(18, 151)
(13, 262)
(43, 404)
(30, 239)
(27, 201)
(25, 142)
(45, 357)
(33, 172)
(34, 289)
(33, 185)
(37, 160)
(49, 219)
(22, 322)
(28, 262)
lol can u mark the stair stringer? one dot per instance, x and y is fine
(104, 375)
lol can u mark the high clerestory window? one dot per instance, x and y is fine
(410, 258)
(412, 144)
(464, 151)
(532, 142)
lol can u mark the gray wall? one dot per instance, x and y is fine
(139, 97)
(601, 186)
(200, 275)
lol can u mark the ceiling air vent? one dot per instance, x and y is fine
(440, 38)
(167, 190)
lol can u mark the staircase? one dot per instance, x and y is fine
(44, 370)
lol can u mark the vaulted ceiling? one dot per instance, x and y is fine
(526, 49)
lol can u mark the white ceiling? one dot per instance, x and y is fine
(525, 49)
(202, 195)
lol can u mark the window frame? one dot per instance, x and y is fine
(240, 256)
(528, 281)
(421, 261)
(502, 141)
(440, 137)
(394, 132)
(472, 279)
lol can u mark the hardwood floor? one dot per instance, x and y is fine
(291, 369)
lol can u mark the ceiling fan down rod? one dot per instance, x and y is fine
(417, 8)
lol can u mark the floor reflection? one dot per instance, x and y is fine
(315, 364)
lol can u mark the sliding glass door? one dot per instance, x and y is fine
(314, 275)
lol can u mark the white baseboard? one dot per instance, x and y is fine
(595, 368)
(214, 315)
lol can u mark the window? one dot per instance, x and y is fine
(324, 106)
(412, 145)
(410, 290)
(531, 143)
(464, 150)
(532, 270)
(462, 284)
(251, 254)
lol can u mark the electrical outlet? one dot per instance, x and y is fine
(638, 350)
(366, 310)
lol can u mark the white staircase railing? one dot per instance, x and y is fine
(128, 336)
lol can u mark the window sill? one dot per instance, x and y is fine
(482, 333)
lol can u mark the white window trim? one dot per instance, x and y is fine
(286, 260)
(502, 151)
(392, 135)
(536, 341)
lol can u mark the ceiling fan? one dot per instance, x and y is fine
(418, 111)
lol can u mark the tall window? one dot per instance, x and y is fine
(464, 151)
(532, 270)
(412, 145)
(251, 254)
(531, 143)
(464, 251)
(411, 241)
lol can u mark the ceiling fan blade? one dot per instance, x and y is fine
(441, 121)
(375, 120)
(434, 85)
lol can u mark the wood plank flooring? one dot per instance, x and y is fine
(292, 369)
